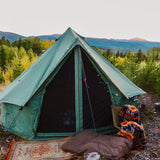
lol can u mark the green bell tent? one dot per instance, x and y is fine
(52, 98)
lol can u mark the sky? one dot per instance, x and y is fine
(118, 19)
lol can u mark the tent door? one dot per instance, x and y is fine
(99, 97)
(58, 107)
(65, 108)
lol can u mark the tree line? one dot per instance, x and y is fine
(17, 56)
(142, 69)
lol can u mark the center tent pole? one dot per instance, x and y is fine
(78, 90)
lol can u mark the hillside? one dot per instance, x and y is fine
(113, 44)
(11, 36)
(139, 39)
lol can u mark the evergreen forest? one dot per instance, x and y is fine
(142, 69)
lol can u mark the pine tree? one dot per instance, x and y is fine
(2, 57)
(140, 56)
(117, 54)
(30, 54)
(18, 68)
(121, 55)
(1, 77)
(37, 45)
(3, 41)
(19, 43)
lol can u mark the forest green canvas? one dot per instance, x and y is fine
(22, 99)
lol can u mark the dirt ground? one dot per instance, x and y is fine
(150, 117)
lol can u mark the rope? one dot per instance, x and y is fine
(89, 101)
(15, 119)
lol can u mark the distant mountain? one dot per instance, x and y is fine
(122, 45)
(49, 37)
(139, 39)
(11, 36)
(114, 45)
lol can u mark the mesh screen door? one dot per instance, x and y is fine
(99, 97)
(58, 108)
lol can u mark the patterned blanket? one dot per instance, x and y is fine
(132, 127)
(129, 113)
(38, 150)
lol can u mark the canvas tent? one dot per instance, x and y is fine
(49, 99)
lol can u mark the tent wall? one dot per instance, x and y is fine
(118, 98)
(22, 121)
(16, 120)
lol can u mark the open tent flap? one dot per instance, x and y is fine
(65, 103)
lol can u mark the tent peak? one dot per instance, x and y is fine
(76, 35)
(70, 29)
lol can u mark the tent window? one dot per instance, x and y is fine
(99, 96)
(58, 108)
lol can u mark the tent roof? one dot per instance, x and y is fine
(25, 86)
